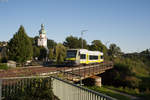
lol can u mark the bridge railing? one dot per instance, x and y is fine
(68, 91)
(79, 73)
(62, 89)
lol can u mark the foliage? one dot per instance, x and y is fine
(131, 72)
(109, 92)
(122, 75)
(97, 45)
(130, 91)
(51, 54)
(36, 51)
(20, 47)
(3, 55)
(37, 89)
(114, 50)
(43, 53)
(51, 44)
(4, 66)
(74, 42)
(127, 90)
(60, 53)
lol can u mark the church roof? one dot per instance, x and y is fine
(42, 30)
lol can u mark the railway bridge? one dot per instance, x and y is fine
(76, 74)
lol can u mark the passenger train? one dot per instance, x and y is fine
(83, 56)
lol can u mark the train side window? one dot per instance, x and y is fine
(102, 57)
(95, 57)
(91, 57)
(82, 56)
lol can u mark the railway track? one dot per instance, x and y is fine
(40, 70)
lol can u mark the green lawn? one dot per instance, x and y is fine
(109, 92)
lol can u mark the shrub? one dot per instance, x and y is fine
(4, 66)
(37, 89)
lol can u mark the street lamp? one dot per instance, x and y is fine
(82, 32)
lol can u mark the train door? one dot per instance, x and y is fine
(83, 58)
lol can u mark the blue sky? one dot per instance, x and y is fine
(124, 22)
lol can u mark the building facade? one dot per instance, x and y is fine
(42, 40)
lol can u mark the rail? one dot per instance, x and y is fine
(79, 73)
(62, 89)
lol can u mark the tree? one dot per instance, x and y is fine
(74, 42)
(114, 50)
(60, 53)
(84, 43)
(36, 51)
(51, 44)
(97, 45)
(43, 53)
(20, 47)
(51, 54)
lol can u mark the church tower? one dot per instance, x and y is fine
(42, 40)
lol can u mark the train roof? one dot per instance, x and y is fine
(88, 51)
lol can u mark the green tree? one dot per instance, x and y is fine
(60, 53)
(97, 45)
(43, 53)
(51, 44)
(20, 47)
(36, 51)
(74, 42)
(85, 46)
(51, 54)
(114, 50)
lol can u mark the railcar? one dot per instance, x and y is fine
(83, 56)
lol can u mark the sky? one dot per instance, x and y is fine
(123, 22)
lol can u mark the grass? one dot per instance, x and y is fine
(135, 92)
(127, 90)
(109, 92)
(4, 66)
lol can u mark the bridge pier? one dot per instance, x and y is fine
(93, 81)
(97, 80)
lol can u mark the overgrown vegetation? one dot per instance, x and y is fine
(4, 66)
(35, 89)
(109, 92)
(131, 72)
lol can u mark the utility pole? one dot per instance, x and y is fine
(82, 32)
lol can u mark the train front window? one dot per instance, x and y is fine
(71, 53)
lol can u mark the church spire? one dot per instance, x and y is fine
(42, 26)
(42, 30)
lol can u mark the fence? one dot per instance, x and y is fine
(79, 73)
(62, 89)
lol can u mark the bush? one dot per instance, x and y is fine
(36, 89)
(4, 66)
